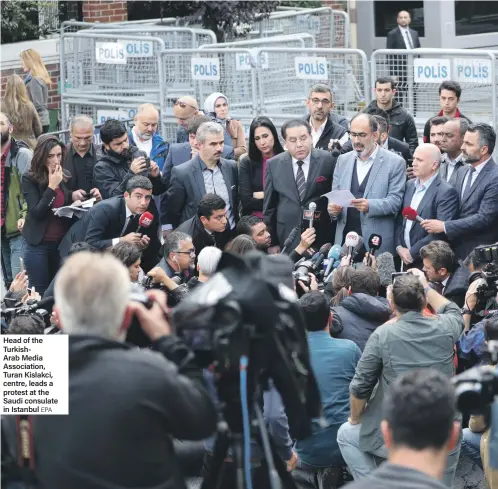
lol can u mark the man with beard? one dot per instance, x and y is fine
(477, 186)
(145, 136)
(16, 159)
(376, 178)
(254, 227)
(120, 161)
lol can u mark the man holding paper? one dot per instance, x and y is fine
(375, 178)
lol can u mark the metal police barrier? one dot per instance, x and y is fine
(302, 40)
(285, 80)
(64, 136)
(419, 72)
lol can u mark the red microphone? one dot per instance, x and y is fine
(144, 221)
(411, 214)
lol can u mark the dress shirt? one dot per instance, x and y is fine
(306, 166)
(145, 146)
(444, 283)
(316, 135)
(363, 166)
(478, 169)
(385, 145)
(418, 195)
(451, 164)
(407, 37)
(129, 215)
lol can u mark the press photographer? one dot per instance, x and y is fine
(125, 404)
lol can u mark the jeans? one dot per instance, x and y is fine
(309, 477)
(361, 464)
(12, 250)
(471, 446)
(42, 263)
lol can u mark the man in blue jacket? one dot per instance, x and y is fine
(145, 137)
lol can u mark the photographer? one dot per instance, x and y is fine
(412, 341)
(178, 256)
(125, 404)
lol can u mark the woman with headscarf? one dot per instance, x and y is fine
(216, 106)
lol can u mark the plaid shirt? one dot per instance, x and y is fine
(2, 180)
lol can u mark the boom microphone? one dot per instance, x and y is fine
(289, 240)
(374, 243)
(145, 221)
(312, 208)
(333, 256)
(385, 266)
(411, 214)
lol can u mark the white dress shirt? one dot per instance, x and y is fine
(316, 135)
(478, 169)
(305, 167)
(405, 32)
(418, 195)
(444, 283)
(127, 221)
(363, 167)
(145, 146)
(451, 164)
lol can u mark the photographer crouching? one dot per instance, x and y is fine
(125, 404)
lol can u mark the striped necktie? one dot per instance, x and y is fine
(300, 180)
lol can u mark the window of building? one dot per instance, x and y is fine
(475, 17)
(386, 12)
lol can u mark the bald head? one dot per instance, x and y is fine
(426, 160)
(185, 108)
(404, 18)
(452, 136)
(146, 122)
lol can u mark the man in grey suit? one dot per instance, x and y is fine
(431, 197)
(477, 187)
(451, 145)
(376, 177)
(293, 180)
(181, 153)
(205, 173)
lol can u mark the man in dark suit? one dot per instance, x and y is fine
(324, 125)
(401, 37)
(431, 197)
(206, 173)
(294, 179)
(181, 153)
(443, 271)
(208, 226)
(451, 145)
(117, 219)
(477, 186)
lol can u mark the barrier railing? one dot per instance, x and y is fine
(303, 40)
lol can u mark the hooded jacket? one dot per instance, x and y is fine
(358, 316)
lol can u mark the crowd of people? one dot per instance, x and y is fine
(164, 211)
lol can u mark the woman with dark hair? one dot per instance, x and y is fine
(263, 145)
(240, 245)
(44, 190)
(130, 256)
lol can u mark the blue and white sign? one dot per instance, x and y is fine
(112, 53)
(308, 23)
(119, 114)
(205, 68)
(311, 68)
(472, 70)
(138, 49)
(246, 61)
(431, 70)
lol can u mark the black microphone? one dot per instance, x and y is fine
(385, 267)
(288, 242)
(322, 254)
(47, 303)
(374, 243)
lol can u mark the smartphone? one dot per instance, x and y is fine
(147, 162)
(397, 274)
(22, 264)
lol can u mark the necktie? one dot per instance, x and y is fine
(409, 39)
(131, 227)
(300, 180)
(470, 174)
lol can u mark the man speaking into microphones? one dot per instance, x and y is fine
(127, 218)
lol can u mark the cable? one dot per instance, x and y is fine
(244, 361)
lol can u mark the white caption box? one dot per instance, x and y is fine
(34, 378)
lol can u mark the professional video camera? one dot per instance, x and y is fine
(39, 309)
(313, 265)
(246, 321)
(486, 293)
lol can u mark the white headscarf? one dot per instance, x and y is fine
(210, 102)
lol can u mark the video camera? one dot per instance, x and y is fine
(38, 309)
(486, 293)
(313, 265)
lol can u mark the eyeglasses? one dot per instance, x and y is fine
(189, 252)
(360, 135)
(183, 105)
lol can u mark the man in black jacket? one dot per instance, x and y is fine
(125, 404)
(323, 128)
(401, 123)
(120, 161)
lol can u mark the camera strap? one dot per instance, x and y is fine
(26, 449)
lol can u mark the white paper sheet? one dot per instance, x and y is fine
(340, 197)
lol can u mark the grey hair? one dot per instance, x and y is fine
(81, 120)
(381, 123)
(372, 122)
(321, 88)
(208, 128)
(91, 294)
(145, 107)
(172, 242)
(208, 259)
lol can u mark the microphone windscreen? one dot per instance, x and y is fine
(352, 239)
(409, 213)
(375, 241)
(145, 220)
(324, 250)
(312, 206)
(335, 252)
(385, 266)
(359, 244)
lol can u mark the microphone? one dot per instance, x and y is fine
(322, 253)
(351, 242)
(289, 240)
(411, 214)
(385, 266)
(345, 250)
(374, 243)
(312, 208)
(333, 256)
(144, 221)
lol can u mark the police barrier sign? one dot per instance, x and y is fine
(311, 68)
(246, 61)
(112, 53)
(138, 49)
(120, 115)
(431, 70)
(205, 68)
(472, 70)
(308, 23)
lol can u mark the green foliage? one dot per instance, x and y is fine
(19, 21)
(302, 3)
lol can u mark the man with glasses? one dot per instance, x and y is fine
(81, 157)
(325, 125)
(184, 109)
(178, 256)
(376, 177)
